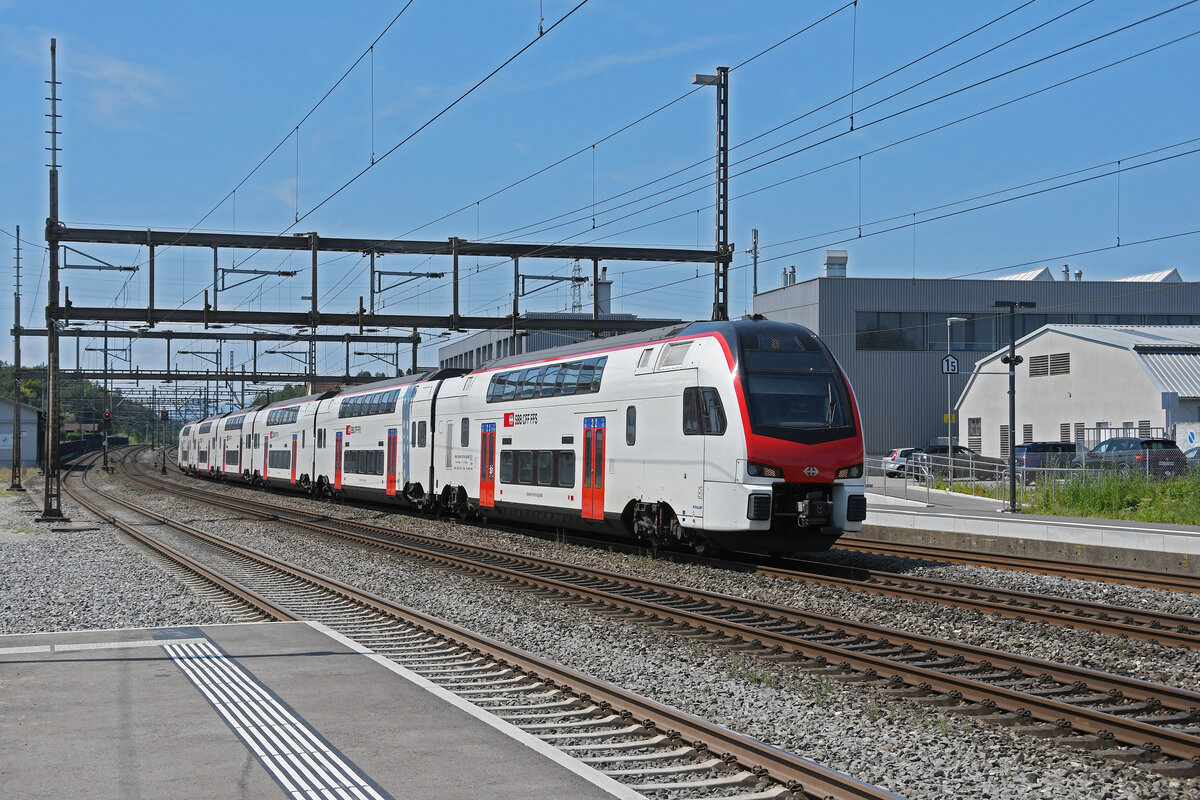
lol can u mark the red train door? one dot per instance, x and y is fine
(293, 478)
(337, 461)
(391, 462)
(593, 468)
(266, 455)
(487, 465)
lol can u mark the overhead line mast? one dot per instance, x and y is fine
(52, 490)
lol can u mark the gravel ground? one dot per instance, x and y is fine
(914, 750)
(65, 580)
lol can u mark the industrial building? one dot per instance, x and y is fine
(1086, 383)
(890, 334)
(30, 441)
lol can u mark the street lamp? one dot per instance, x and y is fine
(949, 407)
(1012, 359)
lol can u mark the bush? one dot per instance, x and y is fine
(1112, 496)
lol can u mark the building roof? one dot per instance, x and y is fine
(25, 407)
(1042, 274)
(1170, 354)
(1161, 276)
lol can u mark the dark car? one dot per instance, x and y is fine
(1193, 457)
(966, 463)
(1033, 459)
(1158, 457)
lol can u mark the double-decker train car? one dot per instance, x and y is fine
(742, 435)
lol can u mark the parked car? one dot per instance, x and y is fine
(893, 463)
(1033, 458)
(1158, 457)
(966, 463)
(1193, 457)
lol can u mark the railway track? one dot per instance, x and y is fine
(1043, 697)
(653, 749)
(1151, 579)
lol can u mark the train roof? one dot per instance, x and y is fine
(404, 380)
(295, 401)
(732, 330)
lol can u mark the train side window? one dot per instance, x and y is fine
(412, 439)
(549, 380)
(570, 378)
(714, 412)
(566, 468)
(585, 376)
(510, 380)
(525, 467)
(464, 435)
(545, 468)
(529, 382)
(598, 373)
(691, 411)
(644, 358)
(493, 390)
(506, 466)
(302, 437)
(420, 434)
(630, 425)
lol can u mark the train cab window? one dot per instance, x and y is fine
(421, 433)
(566, 468)
(703, 414)
(545, 468)
(506, 466)
(464, 434)
(630, 425)
(525, 466)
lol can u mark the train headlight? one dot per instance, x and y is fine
(850, 472)
(762, 470)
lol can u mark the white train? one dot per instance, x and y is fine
(744, 435)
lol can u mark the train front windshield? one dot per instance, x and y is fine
(794, 389)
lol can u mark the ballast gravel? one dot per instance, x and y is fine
(915, 751)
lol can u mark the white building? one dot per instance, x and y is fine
(30, 446)
(1086, 383)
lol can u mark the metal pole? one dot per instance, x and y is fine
(454, 258)
(52, 505)
(1012, 359)
(949, 445)
(371, 291)
(721, 273)
(754, 255)
(15, 484)
(107, 402)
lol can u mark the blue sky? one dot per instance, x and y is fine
(166, 107)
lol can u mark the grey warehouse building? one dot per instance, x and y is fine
(889, 334)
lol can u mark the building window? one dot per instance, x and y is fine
(1064, 432)
(1080, 432)
(1004, 441)
(975, 433)
(1060, 364)
(889, 330)
(1027, 433)
(1039, 366)
(1144, 428)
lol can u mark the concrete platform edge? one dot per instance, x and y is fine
(593, 776)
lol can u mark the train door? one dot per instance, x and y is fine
(337, 461)
(293, 477)
(266, 455)
(391, 462)
(487, 465)
(593, 468)
(239, 464)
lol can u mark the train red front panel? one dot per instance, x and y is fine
(391, 462)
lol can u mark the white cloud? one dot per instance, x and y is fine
(114, 91)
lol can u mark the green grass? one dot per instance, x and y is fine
(1112, 496)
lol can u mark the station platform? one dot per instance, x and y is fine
(264, 710)
(897, 512)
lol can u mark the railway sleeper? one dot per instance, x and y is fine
(654, 754)
(708, 765)
(737, 779)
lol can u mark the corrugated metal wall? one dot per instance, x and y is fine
(902, 394)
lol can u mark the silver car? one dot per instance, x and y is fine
(893, 463)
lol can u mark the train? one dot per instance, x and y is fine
(742, 436)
